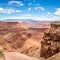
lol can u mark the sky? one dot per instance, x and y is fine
(39, 10)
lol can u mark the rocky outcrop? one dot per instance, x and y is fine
(51, 41)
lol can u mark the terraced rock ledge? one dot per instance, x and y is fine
(50, 45)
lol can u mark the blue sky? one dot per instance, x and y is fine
(45, 10)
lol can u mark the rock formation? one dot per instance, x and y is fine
(51, 41)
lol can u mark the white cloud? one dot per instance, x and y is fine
(39, 8)
(30, 4)
(9, 11)
(37, 18)
(46, 18)
(11, 2)
(49, 13)
(19, 3)
(1, 9)
(29, 9)
(18, 11)
(12, 17)
(25, 16)
(57, 12)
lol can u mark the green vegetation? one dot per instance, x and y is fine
(2, 54)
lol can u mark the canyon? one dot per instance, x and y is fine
(23, 38)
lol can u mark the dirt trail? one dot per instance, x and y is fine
(17, 56)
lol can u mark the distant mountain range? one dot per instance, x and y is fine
(19, 20)
(22, 20)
